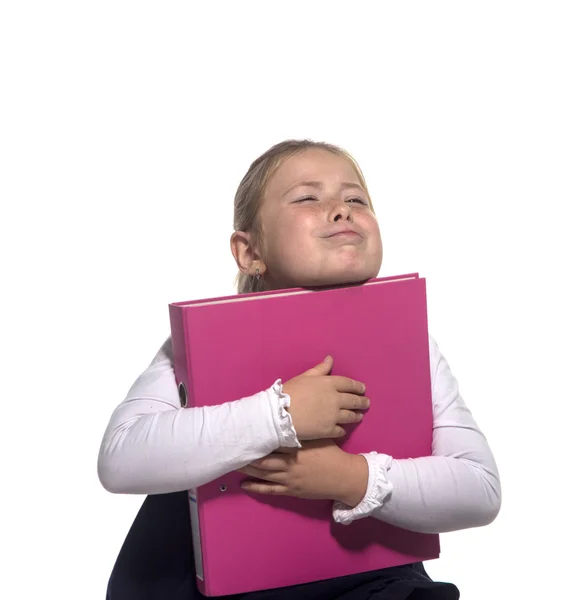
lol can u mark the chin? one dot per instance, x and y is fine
(341, 277)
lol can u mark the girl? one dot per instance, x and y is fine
(303, 217)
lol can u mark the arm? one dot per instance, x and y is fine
(458, 487)
(153, 446)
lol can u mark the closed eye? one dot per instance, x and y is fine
(356, 200)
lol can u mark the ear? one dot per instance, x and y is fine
(245, 252)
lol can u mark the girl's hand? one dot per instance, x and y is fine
(318, 470)
(320, 402)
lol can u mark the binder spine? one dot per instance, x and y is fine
(195, 521)
(180, 354)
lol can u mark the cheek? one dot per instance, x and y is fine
(297, 226)
(372, 226)
(284, 236)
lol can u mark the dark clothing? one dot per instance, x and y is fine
(156, 562)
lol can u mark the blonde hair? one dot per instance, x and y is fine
(250, 194)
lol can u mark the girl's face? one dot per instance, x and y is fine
(318, 228)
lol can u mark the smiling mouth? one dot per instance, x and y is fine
(345, 233)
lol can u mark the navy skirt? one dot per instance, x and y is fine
(156, 562)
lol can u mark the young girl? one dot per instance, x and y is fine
(303, 217)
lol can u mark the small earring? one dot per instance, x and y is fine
(257, 275)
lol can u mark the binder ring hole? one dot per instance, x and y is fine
(183, 393)
(223, 488)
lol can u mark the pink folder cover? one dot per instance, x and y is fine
(377, 333)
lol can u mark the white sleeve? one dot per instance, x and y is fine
(458, 487)
(153, 446)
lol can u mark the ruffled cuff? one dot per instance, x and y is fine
(279, 402)
(378, 489)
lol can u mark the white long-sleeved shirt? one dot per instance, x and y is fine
(152, 445)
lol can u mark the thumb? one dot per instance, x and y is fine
(323, 368)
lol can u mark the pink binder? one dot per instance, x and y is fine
(230, 348)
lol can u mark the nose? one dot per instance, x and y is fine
(340, 211)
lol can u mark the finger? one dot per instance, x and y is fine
(354, 402)
(273, 476)
(257, 487)
(349, 416)
(271, 463)
(338, 432)
(347, 385)
(323, 368)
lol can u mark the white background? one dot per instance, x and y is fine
(125, 129)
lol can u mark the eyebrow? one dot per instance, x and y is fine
(317, 184)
